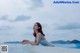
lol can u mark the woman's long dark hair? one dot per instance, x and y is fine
(39, 30)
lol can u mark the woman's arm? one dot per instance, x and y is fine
(37, 39)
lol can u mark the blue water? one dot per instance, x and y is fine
(75, 46)
(19, 48)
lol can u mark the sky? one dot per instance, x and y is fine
(59, 21)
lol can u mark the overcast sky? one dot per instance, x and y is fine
(59, 21)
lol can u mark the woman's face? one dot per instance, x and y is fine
(35, 27)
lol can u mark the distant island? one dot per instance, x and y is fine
(13, 42)
(66, 42)
(54, 42)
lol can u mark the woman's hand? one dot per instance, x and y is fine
(28, 42)
(25, 42)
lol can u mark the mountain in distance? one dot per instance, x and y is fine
(66, 42)
(54, 42)
(13, 42)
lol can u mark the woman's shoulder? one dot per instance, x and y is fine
(39, 34)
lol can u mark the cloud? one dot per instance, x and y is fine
(69, 26)
(4, 17)
(18, 18)
(34, 3)
(22, 18)
(37, 3)
(2, 28)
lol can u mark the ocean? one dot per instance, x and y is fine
(19, 48)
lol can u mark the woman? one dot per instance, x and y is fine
(39, 36)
